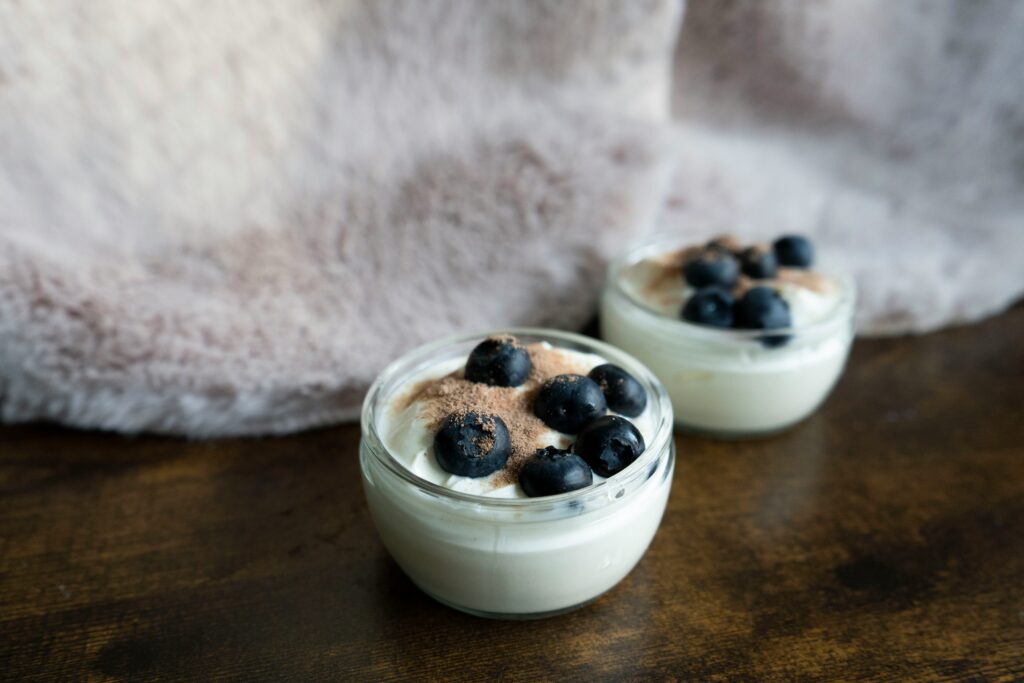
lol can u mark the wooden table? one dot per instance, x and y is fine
(882, 539)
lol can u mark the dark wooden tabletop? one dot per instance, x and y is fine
(881, 539)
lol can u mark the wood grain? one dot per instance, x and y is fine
(882, 539)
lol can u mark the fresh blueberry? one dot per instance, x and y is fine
(621, 390)
(712, 267)
(710, 306)
(551, 471)
(500, 362)
(472, 445)
(762, 308)
(759, 263)
(609, 444)
(567, 402)
(794, 251)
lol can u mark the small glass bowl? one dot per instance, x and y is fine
(515, 558)
(726, 383)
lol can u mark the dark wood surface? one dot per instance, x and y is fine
(882, 539)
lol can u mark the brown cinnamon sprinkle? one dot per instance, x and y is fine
(669, 269)
(454, 394)
(801, 277)
(486, 442)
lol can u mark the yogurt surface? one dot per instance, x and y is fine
(408, 425)
(657, 284)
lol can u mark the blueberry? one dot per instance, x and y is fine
(551, 471)
(472, 445)
(609, 444)
(712, 267)
(759, 263)
(621, 390)
(794, 251)
(710, 306)
(500, 362)
(762, 308)
(567, 402)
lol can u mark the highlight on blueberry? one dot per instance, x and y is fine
(551, 471)
(568, 402)
(500, 362)
(759, 263)
(712, 267)
(472, 444)
(609, 444)
(794, 251)
(763, 308)
(623, 393)
(710, 306)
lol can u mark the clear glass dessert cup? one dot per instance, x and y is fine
(726, 383)
(515, 558)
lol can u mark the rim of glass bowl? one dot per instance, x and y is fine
(419, 358)
(841, 314)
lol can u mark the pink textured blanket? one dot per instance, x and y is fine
(226, 218)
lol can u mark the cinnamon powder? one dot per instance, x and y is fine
(453, 394)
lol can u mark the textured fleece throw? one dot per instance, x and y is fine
(226, 218)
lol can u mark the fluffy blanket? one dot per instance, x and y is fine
(225, 218)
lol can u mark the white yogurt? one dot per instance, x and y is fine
(725, 381)
(488, 549)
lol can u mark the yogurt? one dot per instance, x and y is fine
(408, 434)
(726, 382)
(479, 544)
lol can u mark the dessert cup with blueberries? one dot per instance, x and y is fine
(518, 474)
(748, 339)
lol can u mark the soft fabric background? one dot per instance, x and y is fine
(225, 218)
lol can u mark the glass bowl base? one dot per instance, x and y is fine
(514, 616)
